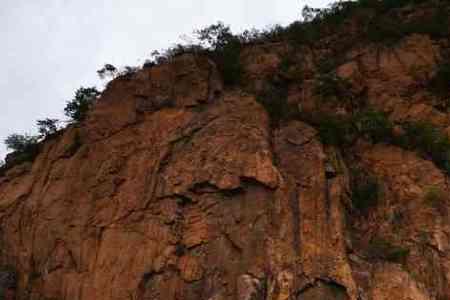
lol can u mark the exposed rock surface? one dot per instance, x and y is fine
(178, 188)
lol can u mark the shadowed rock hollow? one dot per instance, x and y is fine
(177, 187)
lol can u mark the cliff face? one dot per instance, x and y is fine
(177, 187)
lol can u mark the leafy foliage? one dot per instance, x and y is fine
(77, 109)
(373, 125)
(127, 71)
(428, 141)
(332, 88)
(20, 142)
(336, 131)
(108, 70)
(365, 191)
(225, 49)
(47, 127)
(274, 99)
(290, 69)
(25, 147)
(385, 28)
(381, 249)
(381, 21)
(216, 36)
(440, 83)
(436, 198)
(219, 43)
(343, 131)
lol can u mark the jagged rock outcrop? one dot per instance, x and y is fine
(177, 187)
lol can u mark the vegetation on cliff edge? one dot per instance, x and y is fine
(374, 20)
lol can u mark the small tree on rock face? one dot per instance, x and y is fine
(108, 70)
(47, 127)
(225, 48)
(216, 36)
(79, 106)
(20, 142)
(309, 13)
(128, 71)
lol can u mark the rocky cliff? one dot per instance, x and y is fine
(179, 187)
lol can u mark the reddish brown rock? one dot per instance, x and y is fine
(190, 268)
(176, 187)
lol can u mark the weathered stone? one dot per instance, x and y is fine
(249, 288)
(176, 187)
(190, 268)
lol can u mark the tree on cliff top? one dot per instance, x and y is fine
(108, 70)
(47, 127)
(225, 49)
(20, 142)
(78, 107)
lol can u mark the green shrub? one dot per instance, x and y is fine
(436, 27)
(225, 49)
(388, 30)
(317, 22)
(127, 71)
(20, 142)
(397, 218)
(290, 69)
(25, 148)
(365, 191)
(428, 141)
(327, 65)
(274, 99)
(78, 108)
(335, 131)
(332, 88)
(440, 82)
(333, 15)
(47, 127)
(421, 137)
(385, 5)
(286, 63)
(229, 64)
(343, 131)
(158, 58)
(435, 198)
(433, 194)
(380, 249)
(108, 70)
(271, 34)
(301, 33)
(215, 36)
(373, 125)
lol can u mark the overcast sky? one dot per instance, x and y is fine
(52, 47)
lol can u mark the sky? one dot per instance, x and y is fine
(52, 47)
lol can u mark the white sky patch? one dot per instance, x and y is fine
(52, 47)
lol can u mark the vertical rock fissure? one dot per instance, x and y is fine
(296, 212)
(327, 197)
